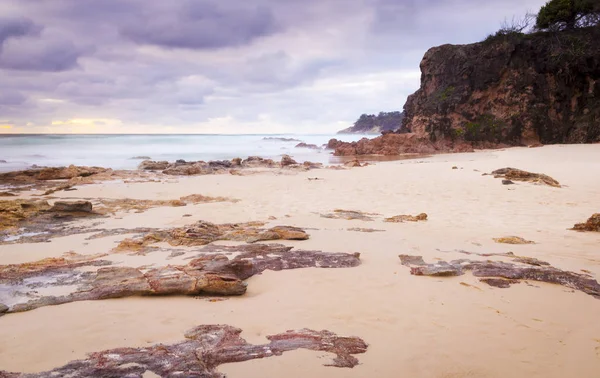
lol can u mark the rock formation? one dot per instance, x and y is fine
(506, 91)
(514, 174)
(202, 233)
(519, 89)
(205, 348)
(32, 285)
(502, 274)
(592, 224)
(306, 145)
(512, 240)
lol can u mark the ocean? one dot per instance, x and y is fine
(119, 151)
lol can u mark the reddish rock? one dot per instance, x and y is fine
(395, 144)
(72, 207)
(286, 160)
(205, 348)
(492, 271)
(592, 224)
(211, 273)
(150, 165)
(520, 175)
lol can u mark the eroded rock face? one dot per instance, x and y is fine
(28, 286)
(514, 174)
(407, 218)
(510, 90)
(592, 224)
(503, 274)
(205, 348)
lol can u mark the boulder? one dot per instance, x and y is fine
(72, 207)
(150, 165)
(306, 145)
(514, 174)
(592, 224)
(286, 160)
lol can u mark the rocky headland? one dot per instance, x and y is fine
(509, 90)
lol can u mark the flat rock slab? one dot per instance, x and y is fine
(205, 348)
(350, 215)
(406, 218)
(202, 233)
(503, 274)
(28, 286)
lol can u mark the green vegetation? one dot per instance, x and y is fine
(384, 120)
(568, 14)
(446, 93)
(485, 128)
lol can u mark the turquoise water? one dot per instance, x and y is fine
(117, 151)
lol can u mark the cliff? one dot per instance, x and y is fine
(507, 90)
(375, 124)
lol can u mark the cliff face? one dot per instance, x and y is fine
(516, 90)
(506, 91)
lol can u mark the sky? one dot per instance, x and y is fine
(222, 66)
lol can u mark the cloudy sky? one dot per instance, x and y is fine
(221, 66)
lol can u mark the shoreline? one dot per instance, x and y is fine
(414, 326)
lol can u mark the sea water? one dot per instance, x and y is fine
(120, 151)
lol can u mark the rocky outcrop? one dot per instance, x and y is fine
(286, 160)
(509, 90)
(396, 144)
(592, 224)
(72, 207)
(32, 285)
(513, 174)
(502, 274)
(44, 174)
(515, 89)
(375, 124)
(205, 348)
(306, 145)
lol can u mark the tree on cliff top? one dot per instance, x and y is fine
(568, 14)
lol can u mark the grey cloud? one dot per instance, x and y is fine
(201, 25)
(16, 27)
(33, 54)
(12, 98)
(179, 63)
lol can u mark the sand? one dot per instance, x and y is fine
(415, 326)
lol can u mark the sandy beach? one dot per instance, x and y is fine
(415, 326)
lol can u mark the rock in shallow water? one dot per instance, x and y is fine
(205, 348)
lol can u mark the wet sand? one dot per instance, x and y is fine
(415, 326)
